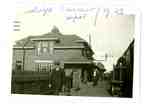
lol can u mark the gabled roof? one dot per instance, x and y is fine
(64, 40)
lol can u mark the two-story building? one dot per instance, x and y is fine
(36, 55)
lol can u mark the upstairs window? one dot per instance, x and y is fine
(86, 52)
(39, 49)
(45, 47)
(51, 47)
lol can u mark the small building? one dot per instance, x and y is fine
(38, 53)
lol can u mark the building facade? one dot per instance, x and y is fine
(38, 53)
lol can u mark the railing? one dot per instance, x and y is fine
(29, 76)
(30, 82)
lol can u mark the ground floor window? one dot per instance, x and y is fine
(18, 66)
(44, 67)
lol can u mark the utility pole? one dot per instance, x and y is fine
(89, 39)
(106, 56)
(23, 58)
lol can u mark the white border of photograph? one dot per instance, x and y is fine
(42, 99)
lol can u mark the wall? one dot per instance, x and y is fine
(60, 54)
(29, 58)
(68, 53)
(17, 55)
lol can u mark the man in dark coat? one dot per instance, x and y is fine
(56, 79)
(95, 76)
(68, 80)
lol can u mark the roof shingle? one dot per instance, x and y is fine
(64, 40)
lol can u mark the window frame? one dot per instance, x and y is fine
(43, 48)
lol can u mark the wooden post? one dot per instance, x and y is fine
(23, 62)
(24, 53)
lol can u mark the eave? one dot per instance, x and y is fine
(44, 39)
(19, 47)
(65, 62)
(68, 47)
(56, 47)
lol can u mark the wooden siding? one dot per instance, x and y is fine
(29, 60)
(60, 54)
(67, 54)
(17, 56)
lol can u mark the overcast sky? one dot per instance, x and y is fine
(110, 34)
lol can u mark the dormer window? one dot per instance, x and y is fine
(51, 47)
(39, 48)
(86, 52)
(45, 47)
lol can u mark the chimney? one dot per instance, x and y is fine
(55, 29)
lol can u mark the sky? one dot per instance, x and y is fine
(110, 33)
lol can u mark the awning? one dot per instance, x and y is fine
(47, 39)
(43, 61)
(65, 62)
(77, 62)
(26, 47)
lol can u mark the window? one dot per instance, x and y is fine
(18, 65)
(45, 47)
(51, 47)
(39, 49)
(44, 67)
(86, 52)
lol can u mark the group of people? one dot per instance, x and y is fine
(92, 74)
(62, 81)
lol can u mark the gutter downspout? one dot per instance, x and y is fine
(24, 54)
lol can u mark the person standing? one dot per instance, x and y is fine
(95, 76)
(68, 80)
(76, 79)
(84, 75)
(56, 80)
